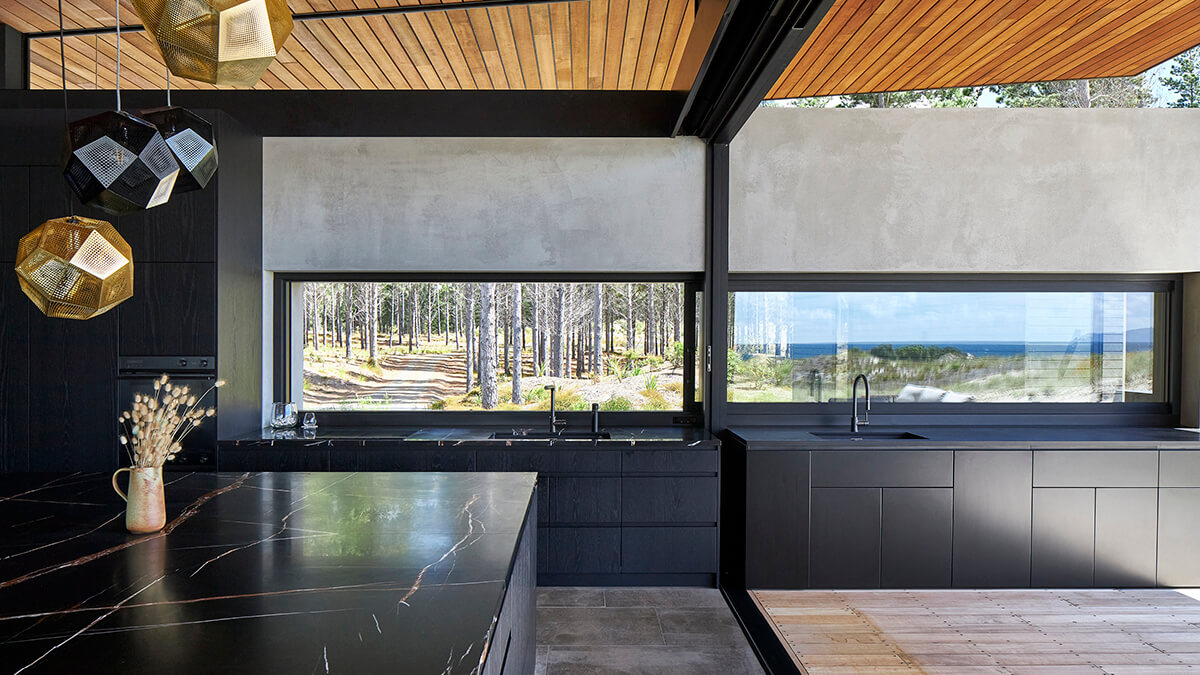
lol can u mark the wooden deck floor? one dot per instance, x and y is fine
(1030, 631)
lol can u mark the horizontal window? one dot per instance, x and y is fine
(948, 347)
(419, 345)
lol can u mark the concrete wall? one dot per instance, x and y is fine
(981, 190)
(521, 204)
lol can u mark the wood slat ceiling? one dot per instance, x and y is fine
(586, 44)
(868, 46)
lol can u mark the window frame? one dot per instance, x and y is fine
(690, 416)
(1168, 325)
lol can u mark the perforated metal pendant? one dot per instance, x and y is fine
(190, 138)
(75, 268)
(119, 163)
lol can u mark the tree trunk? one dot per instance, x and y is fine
(629, 325)
(556, 345)
(349, 321)
(649, 319)
(414, 340)
(518, 333)
(487, 341)
(506, 325)
(536, 336)
(598, 325)
(470, 335)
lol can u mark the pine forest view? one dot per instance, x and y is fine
(492, 346)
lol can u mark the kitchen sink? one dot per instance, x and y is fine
(872, 435)
(539, 435)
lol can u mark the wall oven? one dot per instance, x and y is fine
(136, 374)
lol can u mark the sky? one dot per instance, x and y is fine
(941, 318)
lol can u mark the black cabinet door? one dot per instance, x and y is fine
(182, 230)
(14, 210)
(845, 537)
(72, 393)
(173, 310)
(777, 519)
(993, 513)
(917, 537)
(1064, 524)
(14, 375)
(1178, 545)
(1126, 520)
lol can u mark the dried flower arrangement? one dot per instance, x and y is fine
(156, 425)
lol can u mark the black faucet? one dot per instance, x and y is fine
(596, 419)
(854, 421)
(553, 417)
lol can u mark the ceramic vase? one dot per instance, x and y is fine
(145, 509)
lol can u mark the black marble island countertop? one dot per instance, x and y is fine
(967, 437)
(259, 573)
(429, 436)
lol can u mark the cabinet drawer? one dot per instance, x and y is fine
(669, 549)
(883, 468)
(669, 500)
(582, 550)
(1179, 468)
(669, 461)
(1095, 468)
(549, 461)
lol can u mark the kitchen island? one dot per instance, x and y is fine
(271, 572)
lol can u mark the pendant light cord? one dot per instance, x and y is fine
(118, 13)
(62, 59)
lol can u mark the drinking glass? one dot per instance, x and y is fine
(283, 415)
(309, 421)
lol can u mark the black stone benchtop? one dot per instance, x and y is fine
(971, 437)
(425, 437)
(258, 573)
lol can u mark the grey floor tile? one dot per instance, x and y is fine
(703, 627)
(674, 598)
(543, 658)
(597, 626)
(648, 660)
(569, 596)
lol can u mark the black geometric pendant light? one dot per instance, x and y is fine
(190, 138)
(116, 161)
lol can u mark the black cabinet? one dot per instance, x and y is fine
(1178, 543)
(916, 542)
(72, 393)
(846, 527)
(993, 513)
(1095, 468)
(669, 499)
(674, 550)
(15, 309)
(892, 468)
(582, 550)
(777, 517)
(182, 230)
(173, 311)
(397, 459)
(1063, 549)
(14, 210)
(584, 499)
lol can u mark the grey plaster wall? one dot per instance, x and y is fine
(521, 204)
(982, 190)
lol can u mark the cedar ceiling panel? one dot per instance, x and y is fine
(868, 46)
(569, 44)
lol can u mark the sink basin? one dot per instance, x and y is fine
(868, 435)
(540, 435)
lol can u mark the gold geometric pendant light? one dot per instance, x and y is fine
(217, 41)
(75, 268)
